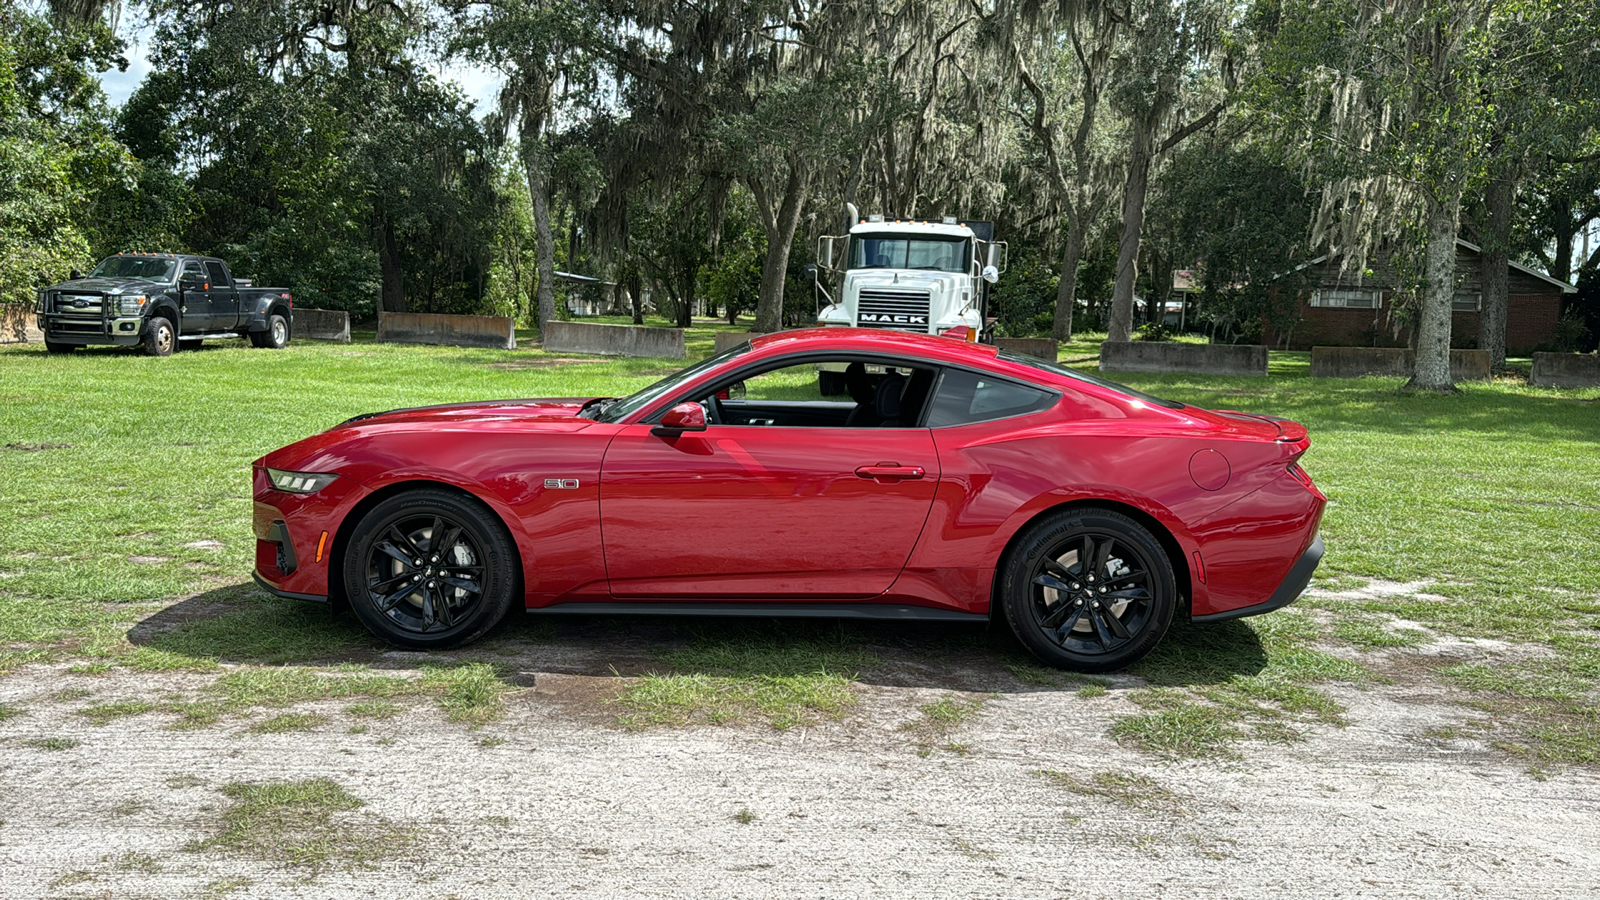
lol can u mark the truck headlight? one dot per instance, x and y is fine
(130, 304)
(300, 482)
(38, 304)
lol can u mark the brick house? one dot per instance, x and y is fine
(1338, 309)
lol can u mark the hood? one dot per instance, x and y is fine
(109, 286)
(561, 411)
(907, 279)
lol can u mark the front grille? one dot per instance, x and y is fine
(894, 310)
(78, 305)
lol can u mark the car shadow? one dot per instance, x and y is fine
(241, 624)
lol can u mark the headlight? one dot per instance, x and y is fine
(300, 482)
(130, 304)
(38, 304)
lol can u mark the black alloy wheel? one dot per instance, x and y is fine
(1089, 590)
(430, 568)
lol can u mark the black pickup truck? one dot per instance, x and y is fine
(158, 299)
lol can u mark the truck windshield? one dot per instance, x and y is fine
(146, 268)
(896, 251)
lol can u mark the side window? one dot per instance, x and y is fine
(964, 397)
(219, 274)
(788, 383)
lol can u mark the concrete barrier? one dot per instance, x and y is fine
(1039, 348)
(1206, 359)
(1395, 362)
(20, 326)
(725, 339)
(613, 340)
(322, 325)
(1566, 370)
(496, 332)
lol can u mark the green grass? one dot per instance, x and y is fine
(1137, 791)
(114, 464)
(305, 824)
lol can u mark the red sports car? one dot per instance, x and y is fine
(956, 483)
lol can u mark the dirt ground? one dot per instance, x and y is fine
(1028, 798)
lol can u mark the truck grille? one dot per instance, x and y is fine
(894, 310)
(75, 312)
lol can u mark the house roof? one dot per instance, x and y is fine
(1460, 242)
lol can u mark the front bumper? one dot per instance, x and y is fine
(125, 331)
(1287, 592)
(296, 533)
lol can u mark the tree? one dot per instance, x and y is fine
(542, 48)
(1170, 82)
(57, 153)
(1060, 59)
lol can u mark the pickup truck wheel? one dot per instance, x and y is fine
(276, 337)
(53, 347)
(430, 569)
(160, 338)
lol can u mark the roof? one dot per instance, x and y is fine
(938, 229)
(1460, 242)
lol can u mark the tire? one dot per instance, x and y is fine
(830, 384)
(53, 347)
(160, 337)
(276, 337)
(1095, 617)
(447, 605)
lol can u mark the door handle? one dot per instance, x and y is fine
(889, 473)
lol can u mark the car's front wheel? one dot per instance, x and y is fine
(160, 337)
(429, 569)
(1089, 590)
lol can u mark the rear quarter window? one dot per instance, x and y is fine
(964, 397)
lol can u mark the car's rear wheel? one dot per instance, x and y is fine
(430, 569)
(276, 337)
(1089, 590)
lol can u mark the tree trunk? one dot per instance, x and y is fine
(1120, 329)
(545, 249)
(1497, 200)
(636, 292)
(780, 227)
(1067, 289)
(1432, 372)
(393, 291)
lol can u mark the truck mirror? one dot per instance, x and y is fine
(811, 271)
(991, 274)
(825, 251)
(74, 275)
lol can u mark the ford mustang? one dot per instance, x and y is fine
(955, 482)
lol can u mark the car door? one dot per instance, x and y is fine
(195, 303)
(222, 298)
(757, 512)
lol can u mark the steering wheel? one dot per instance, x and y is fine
(713, 408)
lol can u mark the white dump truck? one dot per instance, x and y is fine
(928, 277)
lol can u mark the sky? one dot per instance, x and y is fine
(479, 83)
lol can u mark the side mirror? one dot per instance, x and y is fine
(991, 274)
(681, 418)
(74, 275)
(190, 284)
(736, 391)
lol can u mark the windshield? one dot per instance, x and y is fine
(145, 268)
(886, 251)
(1085, 376)
(616, 410)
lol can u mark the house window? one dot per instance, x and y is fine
(1348, 299)
(1465, 301)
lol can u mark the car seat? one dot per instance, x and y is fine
(887, 402)
(862, 390)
